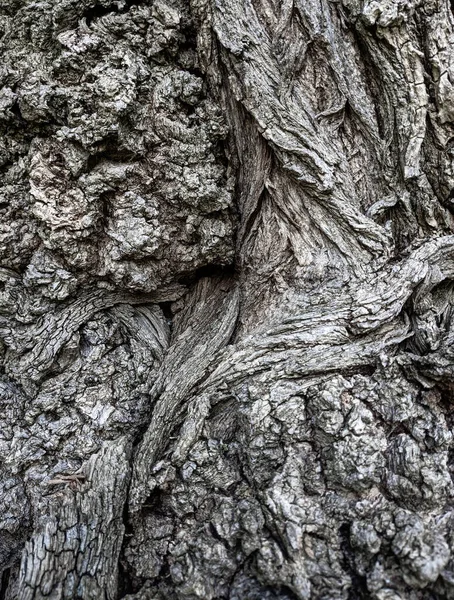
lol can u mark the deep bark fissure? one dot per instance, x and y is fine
(226, 298)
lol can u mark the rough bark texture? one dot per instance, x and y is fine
(226, 302)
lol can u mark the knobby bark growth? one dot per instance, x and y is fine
(227, 266)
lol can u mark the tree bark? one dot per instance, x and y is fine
(226, 299)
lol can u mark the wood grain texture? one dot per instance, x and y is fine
(226, 299)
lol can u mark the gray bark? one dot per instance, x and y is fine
(226, 300)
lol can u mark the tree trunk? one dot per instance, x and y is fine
(227, 279)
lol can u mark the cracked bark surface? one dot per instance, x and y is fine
(226, 299)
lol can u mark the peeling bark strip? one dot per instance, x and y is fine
(226, 299)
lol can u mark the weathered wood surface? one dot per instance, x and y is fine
(226, 299)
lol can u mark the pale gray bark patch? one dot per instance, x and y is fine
(74, 553)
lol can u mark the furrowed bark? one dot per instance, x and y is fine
(227, 264)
